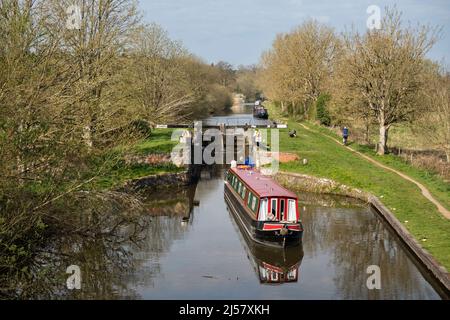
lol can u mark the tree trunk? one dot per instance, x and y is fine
(382, 144)
(367, 133)
(447, 153)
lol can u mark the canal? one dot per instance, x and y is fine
(185, 244)
(207, 256)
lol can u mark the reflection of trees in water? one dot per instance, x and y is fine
(169, 213)
(356, 240)
(328, 200)
(102, 255)
(113, 258)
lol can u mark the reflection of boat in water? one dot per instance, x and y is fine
(272, 265)
(276, 265)
(267, 212)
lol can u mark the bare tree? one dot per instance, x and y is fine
(299, 63)
(246, 82)
(383, 70)
(91, 50)
(158, 79)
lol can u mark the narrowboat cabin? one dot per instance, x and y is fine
(266, 211)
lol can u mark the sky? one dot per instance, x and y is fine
(238, 31)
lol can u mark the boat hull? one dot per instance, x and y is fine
(263, 232)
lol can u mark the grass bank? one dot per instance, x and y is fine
(327, 159)
(159, 143)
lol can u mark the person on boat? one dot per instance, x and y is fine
(271, 217)
(249, 162)
(258, 138)
(345, 135)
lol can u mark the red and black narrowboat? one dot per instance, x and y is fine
(266, 211)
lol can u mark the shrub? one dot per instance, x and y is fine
(141, 127)
(322, 113)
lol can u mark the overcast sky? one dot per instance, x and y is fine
(238, 31)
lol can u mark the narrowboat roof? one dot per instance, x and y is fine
(263, 185)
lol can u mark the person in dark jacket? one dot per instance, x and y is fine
(345, 135)
(293, 133)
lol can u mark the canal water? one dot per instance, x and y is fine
(239, 115)
(200, 253)
(184, 243)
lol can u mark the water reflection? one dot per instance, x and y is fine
(272, 265)
(346, 241)
(183, 244)
(239, 115)
(103, 256)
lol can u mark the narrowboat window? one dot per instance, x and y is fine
(274, 207)
(250, 195)
(240, 187)
(292, 212)
(292, 275)
(254, 204)
(263, 274)
(244, 190)
(274, 276)
(263, 210)
(282, 210)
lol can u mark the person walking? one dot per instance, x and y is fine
(345, 134)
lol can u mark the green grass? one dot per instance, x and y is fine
(437, 186)
(158, 143)
(328, 159)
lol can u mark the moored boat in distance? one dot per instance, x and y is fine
(266, 211)
(259, 111)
